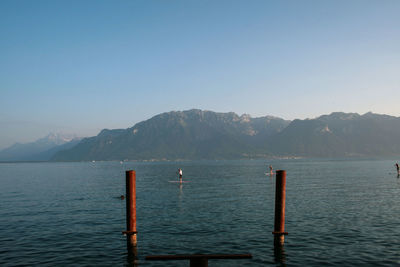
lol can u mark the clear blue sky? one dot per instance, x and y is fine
(81, 66)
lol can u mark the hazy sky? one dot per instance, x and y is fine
(81, 66)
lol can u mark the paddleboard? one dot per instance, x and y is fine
(178, 181)
(268, 174)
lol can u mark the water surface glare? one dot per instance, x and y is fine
(338, 212)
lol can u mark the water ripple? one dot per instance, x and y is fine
(338, 213)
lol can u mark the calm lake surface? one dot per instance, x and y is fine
(338, 212)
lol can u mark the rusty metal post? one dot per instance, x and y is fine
(131, 209)
(280, 195)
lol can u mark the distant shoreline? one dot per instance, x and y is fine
(394, 158)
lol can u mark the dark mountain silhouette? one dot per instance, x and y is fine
(197, 134)
(339, 135)
(192, 134)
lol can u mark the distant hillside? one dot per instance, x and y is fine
(41, 150)
(193, 134)
(197, 134)
(339, 135)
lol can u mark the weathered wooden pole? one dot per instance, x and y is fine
(280, 195)
(131, 209)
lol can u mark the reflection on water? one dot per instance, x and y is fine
(180, 190)
(279, 253)
(132, 257)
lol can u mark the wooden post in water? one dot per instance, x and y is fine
(280, 194)
(131, 209)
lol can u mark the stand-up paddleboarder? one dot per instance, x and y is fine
(180, 172)
(397, 167)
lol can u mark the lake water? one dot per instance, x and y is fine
(338, 212)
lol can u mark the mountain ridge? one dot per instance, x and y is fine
(192, 134)
(40, 150)
(202, 134)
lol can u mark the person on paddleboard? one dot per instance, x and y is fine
(271, 169)
(180, 172)
(397, 167)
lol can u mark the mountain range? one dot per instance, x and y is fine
(198, 134)
(42, 149)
